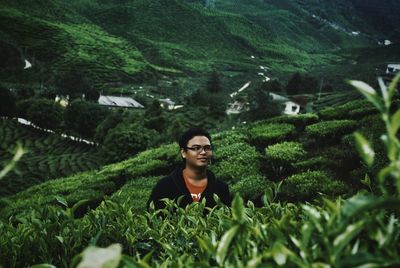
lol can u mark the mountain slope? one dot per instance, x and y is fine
(115, 42)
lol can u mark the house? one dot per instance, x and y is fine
(167, 104)
(115, 101)
(62, 100)
(236, 108)
(393, 68)
(289, 106)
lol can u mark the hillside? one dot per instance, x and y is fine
(270, 151)
(312, 155)
(119, 42)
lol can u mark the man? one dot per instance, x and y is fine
(191, 179)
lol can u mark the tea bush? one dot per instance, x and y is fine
(310, 184)
(235, 161)
(350, 110)
(330, 131)
(280, 158)
(251, 187)
(262, 135)
(314, 163)
(300, 121)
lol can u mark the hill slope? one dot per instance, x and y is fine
(117, 42)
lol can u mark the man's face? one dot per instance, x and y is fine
(198, 153)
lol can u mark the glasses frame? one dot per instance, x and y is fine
(200, 148)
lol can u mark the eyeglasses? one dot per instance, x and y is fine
(199, 148)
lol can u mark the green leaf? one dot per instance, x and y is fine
(43, 265)
(369, 93)
(395, 124)
(365, 149)
(225, 243)
(342, 240)
(238, 212)
(62, 200)
(393, 85)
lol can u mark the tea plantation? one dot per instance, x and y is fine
(304, 197)
(48, 156)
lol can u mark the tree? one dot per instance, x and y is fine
(261, 105)
(7, 102)
(294, 85)
(213, 84)
(45, 114)
(110, 122)
(82, 117)
(127, 140)
(92, 95)
(73, 83)
(154, 117)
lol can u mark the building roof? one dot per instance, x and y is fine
(167, 101)
(115, 101)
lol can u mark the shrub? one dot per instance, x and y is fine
(307, 185)
(330, 130)
(251, 187)
(285, 152)
(125, 141)
(262, 135)
(235, 161)
(46, 114)
(280, 158)
(351, 110)
(300, 121)
(317, 162)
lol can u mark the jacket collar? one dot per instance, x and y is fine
(177, 176)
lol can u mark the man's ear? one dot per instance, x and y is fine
(183, 153)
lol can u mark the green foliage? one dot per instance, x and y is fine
(124, 141)
(45, 114)
(361, 231)
(285, 152)
(350, 110)
(47, 156)
(251, 187)
(83, 117)
(235, 161)
(330, 131)
(264, 134)
(310, 184)
(299, 120)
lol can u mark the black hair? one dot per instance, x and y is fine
(190, 133)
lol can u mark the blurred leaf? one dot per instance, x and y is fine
(365, 149)
(393, 85)
(395, 122)
(94, 257)
(369, 93)
(224, 244)
(43, 265)
(238, 212)
(17, 156)
(342, 240)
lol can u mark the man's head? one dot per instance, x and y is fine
(195, 145)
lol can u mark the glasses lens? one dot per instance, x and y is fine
(198, 148)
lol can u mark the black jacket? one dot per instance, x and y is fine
(173, 186)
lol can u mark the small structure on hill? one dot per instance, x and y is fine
(393, 68)
(115, 101)
(167, 103)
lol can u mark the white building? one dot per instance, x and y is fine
(114, 101)
(393, 68)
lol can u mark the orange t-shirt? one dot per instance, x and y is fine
(195, 191)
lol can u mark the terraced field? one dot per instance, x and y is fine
(48, 156)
